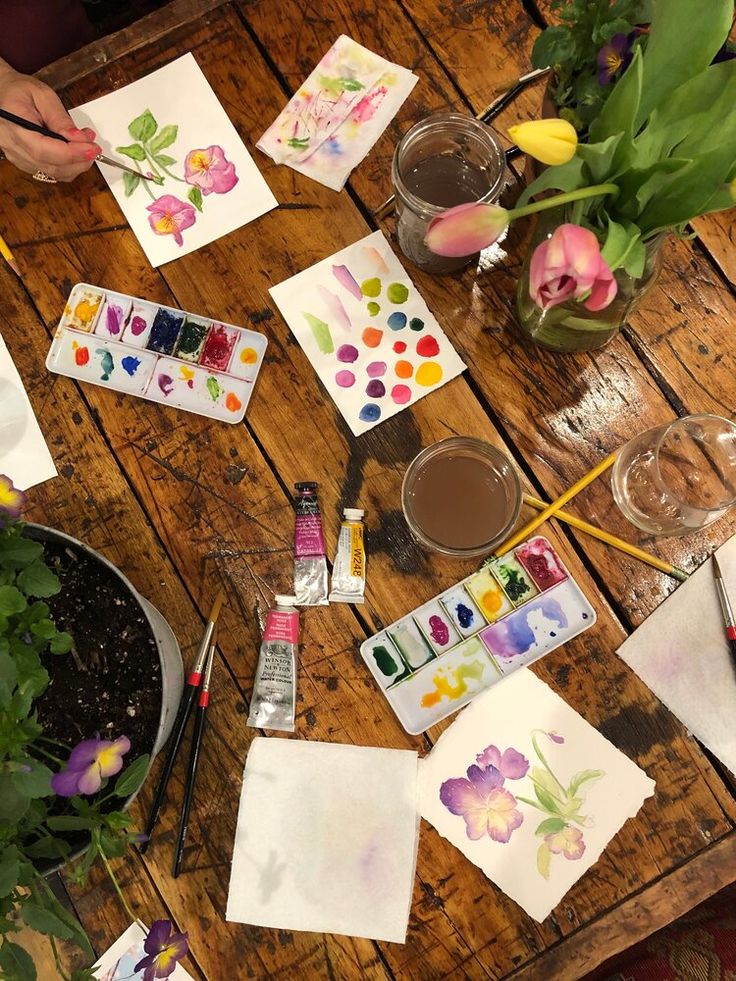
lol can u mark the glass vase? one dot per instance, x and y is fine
(570, 326)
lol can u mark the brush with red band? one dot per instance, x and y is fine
(188, 697)
(199, 720)
(726, 609)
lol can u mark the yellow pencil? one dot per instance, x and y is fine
(609, 539)
(8, 256)
(557, 505)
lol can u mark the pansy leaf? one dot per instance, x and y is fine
(584, 776)
(195, 196)
(19, 552)
(38, 580)
(143, 127)
(66, 822)
(9, 871)
(16, 963)
(45, 921)
(11, 601)
(130, 182)
(132, 777)
(34, 780)
(544, 859)
(551, 826)
(165, 137)
(61, 643)
(48, 848)
(13, 803)
(135, 151)
(164, 159)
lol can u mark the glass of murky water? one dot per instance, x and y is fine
(675, 479)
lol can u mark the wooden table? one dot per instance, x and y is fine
(183, 505)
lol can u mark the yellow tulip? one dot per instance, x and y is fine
(551, 141)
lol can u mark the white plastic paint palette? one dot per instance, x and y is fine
(158, 353)
(511, 612)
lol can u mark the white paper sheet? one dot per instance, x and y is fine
(117, 963)
(682, 654)
(24, 455)
(367, 331)
(326, 839)
(211, 184)
(339, 112)
(528, 791)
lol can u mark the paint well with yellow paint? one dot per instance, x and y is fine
(453, 685)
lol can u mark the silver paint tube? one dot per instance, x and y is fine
(348, 570)
(310, 561)
(273, 704)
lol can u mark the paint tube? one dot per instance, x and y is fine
(274, 689)
(348, 571)
(310, 561)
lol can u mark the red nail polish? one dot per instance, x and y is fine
(92, 153)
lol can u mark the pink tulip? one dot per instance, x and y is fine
(170, 216)
(466, 229)
(568, 265)
(210, 170)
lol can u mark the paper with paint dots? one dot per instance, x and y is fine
(370, 336)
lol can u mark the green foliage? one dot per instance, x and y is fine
(34, 824)
(195, 196)
(571, 49)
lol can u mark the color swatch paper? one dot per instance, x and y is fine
(118, 963)
(367, 331)
(337, 115)
(171, 123)
(326, 839)
(24, 455)
(528, 791)
(682, 654)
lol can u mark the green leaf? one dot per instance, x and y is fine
(132, 777)
(45, 921)
(130, 182)
(619, 243)
(34, 783)
(551, 826)
(565, 177)
(11, 601)
(38, 580)
(584, 776)
(66, 822)
(13, 803)
(619, 112)
(553, 47)
(8, 678)
(544, 859)
(9, 868)
(61, 643)
(15, 963)
(164, 159)
(54, 848)
(135, 151)
(165, 137)
(143, 127)
(195, 196)
(599, 157)
(78, 934)
(636, 260)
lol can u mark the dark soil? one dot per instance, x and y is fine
(111, 681)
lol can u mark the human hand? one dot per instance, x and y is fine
(26, 96)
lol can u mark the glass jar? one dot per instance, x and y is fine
(444, 160)
(570, 326)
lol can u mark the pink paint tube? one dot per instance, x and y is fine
(274, 691)
(310, 561)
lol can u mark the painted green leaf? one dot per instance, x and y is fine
(16, 963)
(544, 859)
(143, 127)
(165, 137)
(132, 777)
(551, 826)
(11, 601)
(38, 580)
(135, 151)
(195, 196)
(571, 807)
(320, 332)
(130, 183)
(545, 789)
(164, 159)
(584, 776)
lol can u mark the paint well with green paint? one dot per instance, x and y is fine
(397, 293)
(213, 387)
(384, 662)
(321, 333)
(371, 287)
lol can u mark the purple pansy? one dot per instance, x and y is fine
(164, 949)
(89, 762)
(614, 57)
(484, 805)
(510, 764)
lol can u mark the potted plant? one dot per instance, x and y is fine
(63, 797)
(661, 151)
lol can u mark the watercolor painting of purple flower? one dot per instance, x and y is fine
(481, 799)
(562, 806)
(206, 171)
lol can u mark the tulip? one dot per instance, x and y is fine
(551, 141)
(466, 229)
(569, 265)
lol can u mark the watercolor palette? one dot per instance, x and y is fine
(158, 353)
(508, 614)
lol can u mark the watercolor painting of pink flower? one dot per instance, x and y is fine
(483, 803)
(170, 216)
(568, 842)
(210, 171)
(511, 764)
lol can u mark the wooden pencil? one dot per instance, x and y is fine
(8, 256)
(609, 539)
(555, 506)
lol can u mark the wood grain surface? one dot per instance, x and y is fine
(183, 505)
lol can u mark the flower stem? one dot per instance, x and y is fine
(118, 890)
(49, 756)
(57, 960)
(144, 182)
(155, 163)
(582, 192)
(546, 765)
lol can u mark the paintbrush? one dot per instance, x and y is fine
(185, 707)
(197, 734)
(726, 610)
(609, 539)
(557, 505)
(8, 256)
(101, 158)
